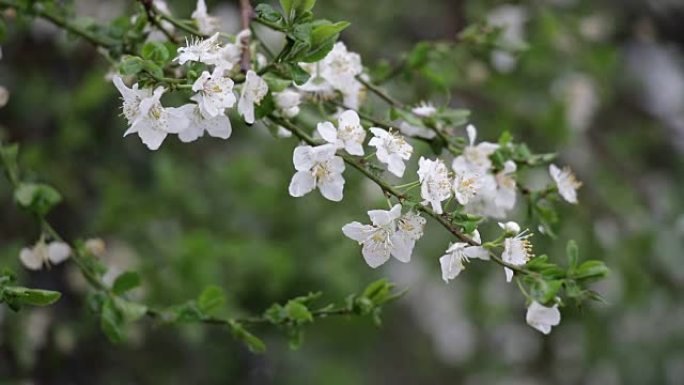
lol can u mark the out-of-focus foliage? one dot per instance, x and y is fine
(599, 81)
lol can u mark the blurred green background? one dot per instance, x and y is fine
(601, 82)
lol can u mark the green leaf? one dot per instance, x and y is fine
(326, 30)
(127, 281)
(131, 65)
(33, 297)
(293, 9)
(299, 75)
(572, 252)
(38, 297)
(268, 13)
(544, 291)
(298, 312)
(253, 342)
(276, 83)
(211, 299)
(591, 270)
(131, 311)
(155, 51)
(111, 321)
(37, 197)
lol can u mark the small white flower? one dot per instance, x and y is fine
(349, 133)
(336, 72)
(424, 110)
(205, 51)
(466, 184)
(392, 149)
(475, 157)
(435, 183)
(287, 103)
(41, 254)
(517, 251)
(566, 181)
(131, 98)
(340, 66)
(230, 54)
(505, 195)
(452, 262)
(253, 91)
(153, 121)
(218, 126)
(510, 227)
(317, 167)
(416, 131)
(206, 24)
(541, 317)
(214, 93)
(390, 234)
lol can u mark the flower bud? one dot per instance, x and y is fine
(510, 227)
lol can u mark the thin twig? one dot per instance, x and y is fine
(152, 13)
(443, 219)
(247, 13)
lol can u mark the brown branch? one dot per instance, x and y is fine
(247, 13)
(152, 18)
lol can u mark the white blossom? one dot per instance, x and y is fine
(435, 183)
(214, 93)
(475, 157)
(131, 98)
(390, 234)
(287, 103)
(336, 72)
(205, 51)
(541, 317)
(44, 254)
(230, 54)
(416, 131)
(505, 195)
(206, 24)
(392, 149)
(218, 126)
(348, 135)
(340, 67)
(153, 122)
(566, 181)
(517, 252)
(452, 262)
(253, 92)
(317, 167)
(424, 110)
(467, 184)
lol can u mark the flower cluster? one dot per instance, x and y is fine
(213, 96)
(337, 72)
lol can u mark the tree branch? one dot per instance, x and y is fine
(247, 13)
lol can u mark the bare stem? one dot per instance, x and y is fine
(247, 13)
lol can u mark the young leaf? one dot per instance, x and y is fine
(211, 299)
(298, 312)
(38, 297)
(37, 197)
(590, 270)
(253, 342)
(111, 321)
(127, 281)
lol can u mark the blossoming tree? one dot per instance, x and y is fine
(317, 92)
